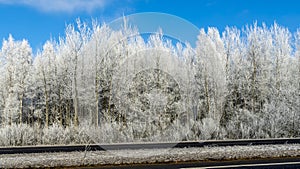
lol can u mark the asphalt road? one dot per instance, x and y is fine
(259, 163)
(133, 146)
(236, 164)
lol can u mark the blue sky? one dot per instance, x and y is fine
(38, 20)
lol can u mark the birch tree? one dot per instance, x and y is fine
(75, 41)
(17, 59)
(210, 73)
(46, 71)
(235, 50)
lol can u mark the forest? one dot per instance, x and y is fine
(99, 85)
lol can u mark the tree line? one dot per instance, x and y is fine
(234, 84)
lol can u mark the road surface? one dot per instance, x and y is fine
(236, 164)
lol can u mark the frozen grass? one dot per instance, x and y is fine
(147, 156)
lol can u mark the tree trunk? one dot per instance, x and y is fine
(60, 109)
(67, 118)
(21, 109)
(97, 101)
(75, 93)
(206, 94)
(253, 92)
(46, 101)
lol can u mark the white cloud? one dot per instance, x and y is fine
(60, 5)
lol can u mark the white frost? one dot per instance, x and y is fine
(147, 156)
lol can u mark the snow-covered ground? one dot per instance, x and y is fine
(147, 156)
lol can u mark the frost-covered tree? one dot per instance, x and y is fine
(234, 51)
(97, 84)
(259, 45)
(278, 85)
(210, 75)
(64, 83)
(98, 52)
(293, 95)
(75, 40)
(16, 62)
(46, 77)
